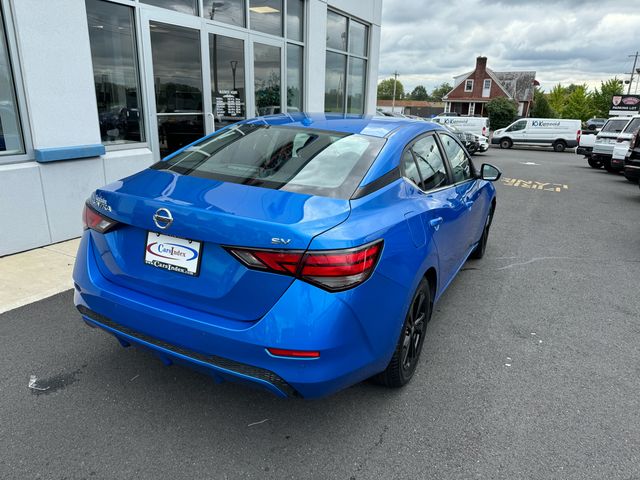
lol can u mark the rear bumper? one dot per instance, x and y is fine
(632, 169)
(305, 318)
(586, 151)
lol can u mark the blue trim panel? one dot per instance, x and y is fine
(44, 155)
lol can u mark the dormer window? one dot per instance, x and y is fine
(468, 86)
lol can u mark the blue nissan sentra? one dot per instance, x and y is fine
(301, 253)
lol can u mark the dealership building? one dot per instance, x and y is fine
(92, 91)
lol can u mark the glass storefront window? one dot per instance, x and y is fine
(294, 78)
(295, 20)
(335, 82)
(226, 11)
(266, 16)
(177, 77)
(336, 31)
(345, 88)
(115, 72)
(358, 38)
(356, 86)
(227, 79)
(183, 6)
(10, 132)
(267, 78)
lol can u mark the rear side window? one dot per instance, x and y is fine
(430, 163)
(633, 126)
(313, 162)
(614, 126)
(410, 168)
(461, 168)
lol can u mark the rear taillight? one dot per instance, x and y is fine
(578, 135)
(333, 270)
(96, 221)
(484, 131)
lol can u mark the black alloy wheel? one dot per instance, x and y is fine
(406, 356)
(559, 146)
(593, 163)
(478, 252)
(506, 143)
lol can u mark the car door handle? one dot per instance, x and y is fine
(435, 223)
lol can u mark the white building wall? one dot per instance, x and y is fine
(42, 202)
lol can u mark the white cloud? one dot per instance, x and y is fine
(566, 41)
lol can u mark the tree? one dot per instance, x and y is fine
(419, 93)
(502, 112)
(557, 97)
(578, 104)
(602, 98)
(441, 91)
(385, 89)
(541, 107)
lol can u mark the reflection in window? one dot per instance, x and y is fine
(461, 168)
(227, 79)
(266, 16)
(177, 74)
(10, 133)
(356, 87)
(226, 11)
(336, 31)
(335, 82)
(294, 78)
(295, 20)
(115, 71)
(183, 6)
(267, 80)
(177, 131)
(430, 163)
(357, 38)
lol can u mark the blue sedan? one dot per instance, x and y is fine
(301, 253)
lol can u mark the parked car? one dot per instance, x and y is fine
(632, 160)
(595, 123)
(467, 139)
(621, 147)
(543, 132)
(482, 143)
(585, 147)
(299, 253)
(476, 125)
(606, 140)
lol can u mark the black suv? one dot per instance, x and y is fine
(632, 160)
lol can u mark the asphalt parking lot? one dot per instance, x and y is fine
(530, 370)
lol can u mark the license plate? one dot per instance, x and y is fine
(173, 253)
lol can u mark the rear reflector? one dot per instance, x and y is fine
(96, 221)
(283, 352)
(333, 270)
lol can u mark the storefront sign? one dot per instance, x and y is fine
(625, 103)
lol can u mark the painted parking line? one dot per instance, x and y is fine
(534, 185)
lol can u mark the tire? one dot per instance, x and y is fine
(608, 167)
(631, 179)
(593, 163)
(406, 355)
(559, 146)
(506, 143)
(478, 252)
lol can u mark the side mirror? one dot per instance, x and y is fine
(490, 173)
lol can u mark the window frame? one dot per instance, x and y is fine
(466, 83)
(348, 55)
(18, 87)
(445, 161)
(474, 171)
(484, 84)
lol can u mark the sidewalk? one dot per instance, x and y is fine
(31, 276)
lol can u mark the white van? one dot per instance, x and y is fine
(559, 133)
(477, 125)
(621, 147)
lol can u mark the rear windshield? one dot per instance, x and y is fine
(614, 126)
(301, 160)
(633, 126)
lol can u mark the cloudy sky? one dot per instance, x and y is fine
(564, 41)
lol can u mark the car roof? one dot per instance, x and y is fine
(376, 126)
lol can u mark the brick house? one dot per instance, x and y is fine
(474, 89)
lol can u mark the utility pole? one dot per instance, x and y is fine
(633, 71)
(395, 80)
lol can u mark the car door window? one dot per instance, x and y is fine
(519, 125)
(409, 168)
(430, 163)
(461, 167)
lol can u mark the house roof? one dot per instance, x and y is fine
(517, 85)
(409, 103)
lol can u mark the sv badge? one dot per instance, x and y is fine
(280, 241)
